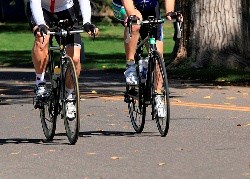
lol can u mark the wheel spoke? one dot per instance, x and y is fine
(161, 105)
(72, 124)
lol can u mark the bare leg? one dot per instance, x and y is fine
(40, 53)
(130, 47)
(158, 76)
(74, 53)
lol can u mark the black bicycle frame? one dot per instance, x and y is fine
(151, 41)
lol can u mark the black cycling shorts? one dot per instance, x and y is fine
(151, 10)
(158, 31)
(50, 18)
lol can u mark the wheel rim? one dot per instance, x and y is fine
(72, 125)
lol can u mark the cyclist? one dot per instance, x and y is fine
(41, 13)
(140, 9)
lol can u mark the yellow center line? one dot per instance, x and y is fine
(212, 106)
(181, 103)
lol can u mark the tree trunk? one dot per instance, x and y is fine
(180, 50)
(246, 27)
(217, 32)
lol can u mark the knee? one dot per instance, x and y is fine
(76, 59)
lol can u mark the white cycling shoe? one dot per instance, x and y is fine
(160, 106)
(70, 109)
(131, 76)
(41, 90)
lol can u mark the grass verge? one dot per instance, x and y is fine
(106, 52)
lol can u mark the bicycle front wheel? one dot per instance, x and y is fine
(160, 94)
(72, 123)
(49, 109)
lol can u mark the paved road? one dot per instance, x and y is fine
(209, 134)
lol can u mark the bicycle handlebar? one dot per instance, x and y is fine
(65, 32)
(59, 29)
(154, 21)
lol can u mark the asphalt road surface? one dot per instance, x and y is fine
(209, 135)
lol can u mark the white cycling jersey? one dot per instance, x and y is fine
(57, 6)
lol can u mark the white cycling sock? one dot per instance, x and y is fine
(130, 62)
(40, 78)
(69, 93)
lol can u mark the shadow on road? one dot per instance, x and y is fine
(112, 133)
(17, 85)
(31, 141)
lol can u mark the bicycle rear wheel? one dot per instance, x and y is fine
(49, 108)
(160, 90)
(137, 108)
(72, 125)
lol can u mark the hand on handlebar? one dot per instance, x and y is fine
(42, 29)
(175, 16)
(91, 29)
(133, 19)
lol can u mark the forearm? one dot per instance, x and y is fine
(169, 5)
(85, 10)
(129, 7)
(37, 12)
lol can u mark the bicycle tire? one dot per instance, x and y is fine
(159, 65)
(72, 126)
(137, 110)
(49, 109)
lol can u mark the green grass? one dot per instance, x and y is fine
(106, 52)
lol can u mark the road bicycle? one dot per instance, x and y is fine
(156, 85)
(59, 73)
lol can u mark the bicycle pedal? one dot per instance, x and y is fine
(132, 92)
(127, 100)
(38, 105)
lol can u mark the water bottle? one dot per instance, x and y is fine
(57, 72)
(143, 68)
(122, 13)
